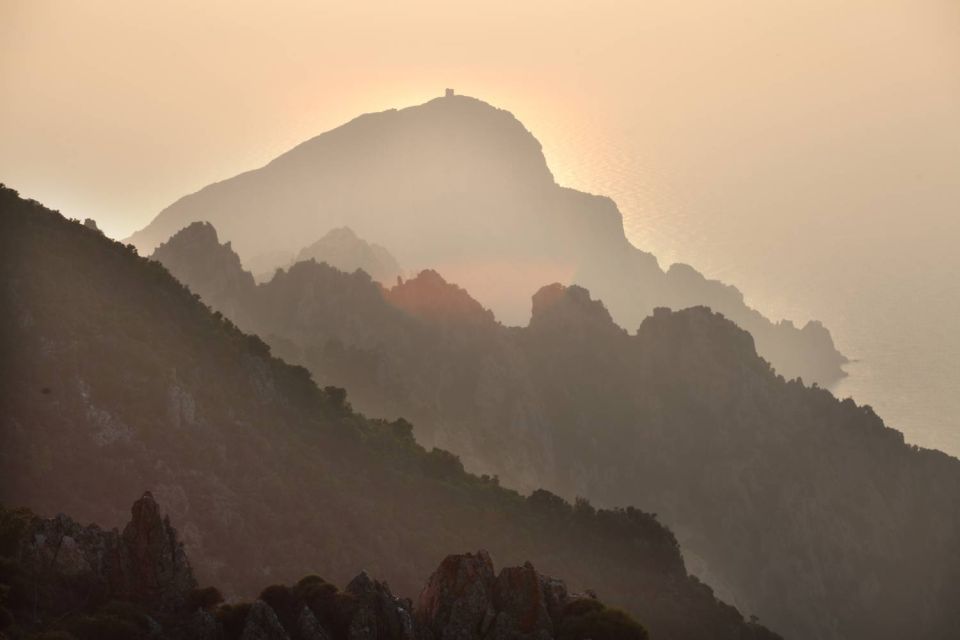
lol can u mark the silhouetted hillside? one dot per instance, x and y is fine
(62, 581)
(461, 187)
(118, 377)
(804, 509)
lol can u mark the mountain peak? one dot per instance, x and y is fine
(341, 233)
(462, 186)
(194, 254)
(700, 334)
(198, 232)
(562, 307)
(449, 136)
(344, 249)
(429, 297)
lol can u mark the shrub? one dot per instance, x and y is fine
(337, 396)
(13, 522)
(126, 611)
(232, 619)
(403, 430)
(6, 618)
(279, 597)
(543, 501)
(440, 463)
(333, 608)
(105, 626)
(590, 619)
(582, 606)
(203, 598)
(583, 508)
(284, 603)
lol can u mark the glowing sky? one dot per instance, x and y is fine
(113, 109)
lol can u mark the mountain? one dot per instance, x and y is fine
(204, 259)
(117, 377)
(461, 187)
(802, 508)
(341, 248)
(66, 581)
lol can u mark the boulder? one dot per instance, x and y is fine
(379, 615)
(309, 627)
(154, 566)
(458, 603)
(262, 624)
(521, 604)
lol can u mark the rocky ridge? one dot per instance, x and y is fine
(74, 582)
(72, 564)
(462, 187)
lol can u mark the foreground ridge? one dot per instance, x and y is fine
(68, 581)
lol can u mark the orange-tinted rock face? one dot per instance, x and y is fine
(154, 564)
(146, 564)
(465, 601)
(458, 599)
(431, 298)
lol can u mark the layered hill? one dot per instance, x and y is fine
(343, 249)
(61, 580)
(117, 377)
(797, 506)
(461, 187)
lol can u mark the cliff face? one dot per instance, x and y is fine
(117, 376)
(461, 187)
(62, 580)
(751, 471)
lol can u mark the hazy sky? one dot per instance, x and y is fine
(113, 109)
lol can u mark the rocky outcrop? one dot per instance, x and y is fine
(466, 600)
(463, 600)
(521, 603)
(309, 627)
(203, 625)
(430, 298)
(154, 565)
(378, 614)
(570, 310)
(87, 582)
(457, 603)
(146, 564)
(262, 623)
